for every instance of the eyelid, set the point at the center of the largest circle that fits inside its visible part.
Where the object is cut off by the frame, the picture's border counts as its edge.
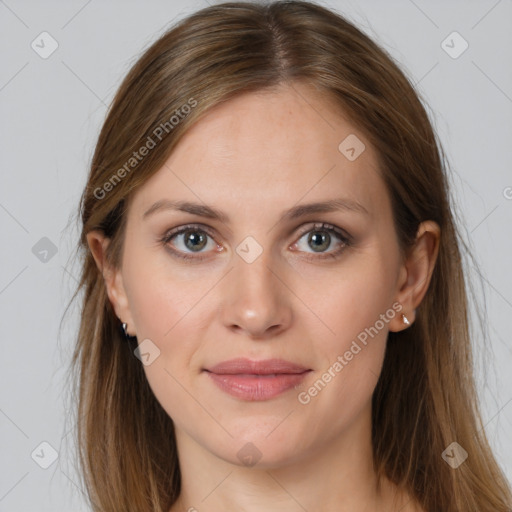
(327, 226)
(186, 227)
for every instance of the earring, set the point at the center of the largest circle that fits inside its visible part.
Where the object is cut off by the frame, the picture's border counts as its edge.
(125, 332)
(405, 320)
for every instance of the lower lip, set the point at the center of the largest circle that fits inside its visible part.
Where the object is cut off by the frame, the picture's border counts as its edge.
(256, 387)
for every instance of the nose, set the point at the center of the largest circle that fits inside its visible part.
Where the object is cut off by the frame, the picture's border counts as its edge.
(256, 301)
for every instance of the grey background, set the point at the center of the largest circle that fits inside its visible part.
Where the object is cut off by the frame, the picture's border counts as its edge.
(51, 111)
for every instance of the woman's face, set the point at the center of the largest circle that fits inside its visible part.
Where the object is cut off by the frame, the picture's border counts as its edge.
(265, 281)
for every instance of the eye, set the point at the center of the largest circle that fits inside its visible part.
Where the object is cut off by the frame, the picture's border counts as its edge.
(321, 237)
(190, 239)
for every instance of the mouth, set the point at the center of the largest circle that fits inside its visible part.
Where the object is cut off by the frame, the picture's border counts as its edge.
(256, 380)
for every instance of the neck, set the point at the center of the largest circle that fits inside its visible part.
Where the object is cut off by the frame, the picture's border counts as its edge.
(336, 476)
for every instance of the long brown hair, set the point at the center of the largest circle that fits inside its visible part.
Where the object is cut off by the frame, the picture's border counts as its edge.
(425, 398)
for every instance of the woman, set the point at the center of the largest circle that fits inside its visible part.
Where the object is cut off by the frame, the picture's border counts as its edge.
(274, 311)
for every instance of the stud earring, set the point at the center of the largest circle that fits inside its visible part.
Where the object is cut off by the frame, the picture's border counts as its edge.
(405, 320)
(124, 326)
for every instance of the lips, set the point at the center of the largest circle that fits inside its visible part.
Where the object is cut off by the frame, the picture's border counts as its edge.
(256, 380)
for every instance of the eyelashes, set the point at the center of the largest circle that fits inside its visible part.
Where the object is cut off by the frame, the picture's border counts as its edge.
(191, 228)
(327, 232)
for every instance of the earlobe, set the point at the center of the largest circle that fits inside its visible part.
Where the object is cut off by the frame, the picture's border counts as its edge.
(403, 320)
(416, 273)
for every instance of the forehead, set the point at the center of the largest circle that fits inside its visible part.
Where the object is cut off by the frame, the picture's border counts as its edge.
(274, 147)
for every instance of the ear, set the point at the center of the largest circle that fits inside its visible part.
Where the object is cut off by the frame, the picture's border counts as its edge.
(416, 272)
(112, 277)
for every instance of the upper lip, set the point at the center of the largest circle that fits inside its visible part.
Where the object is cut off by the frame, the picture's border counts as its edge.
(262, 367)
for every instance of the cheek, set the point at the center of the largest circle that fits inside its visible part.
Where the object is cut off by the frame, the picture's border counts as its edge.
(342, 387)
(357, 308)
(354, 300)
(165, 312)
(160, 298)
(168, 318)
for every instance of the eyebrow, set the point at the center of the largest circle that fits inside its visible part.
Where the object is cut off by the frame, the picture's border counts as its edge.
(301, 210)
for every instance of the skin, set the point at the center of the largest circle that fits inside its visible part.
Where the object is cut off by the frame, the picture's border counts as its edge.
(253, 158)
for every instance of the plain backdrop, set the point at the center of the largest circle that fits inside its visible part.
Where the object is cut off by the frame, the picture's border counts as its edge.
(51, 111)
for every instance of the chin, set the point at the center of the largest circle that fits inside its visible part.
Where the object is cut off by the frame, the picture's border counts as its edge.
(255, 448)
